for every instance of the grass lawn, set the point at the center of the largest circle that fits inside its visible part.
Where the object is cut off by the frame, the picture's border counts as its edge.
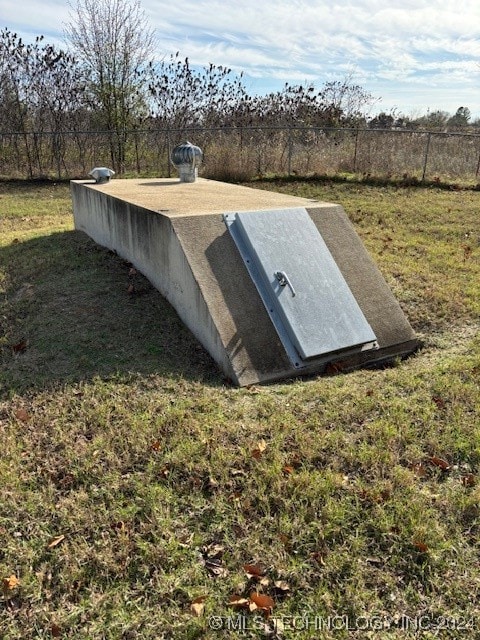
(141, 497)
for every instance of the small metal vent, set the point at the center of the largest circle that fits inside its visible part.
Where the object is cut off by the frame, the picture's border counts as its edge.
(101, 174)
(309, 302)
(187, 158)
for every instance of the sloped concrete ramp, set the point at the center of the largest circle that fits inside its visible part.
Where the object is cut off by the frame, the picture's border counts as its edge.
(175, 234)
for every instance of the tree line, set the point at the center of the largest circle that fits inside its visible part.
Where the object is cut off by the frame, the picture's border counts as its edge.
(106, 80)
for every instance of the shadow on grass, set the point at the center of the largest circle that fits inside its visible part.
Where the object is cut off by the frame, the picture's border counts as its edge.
(405, 181)
(73, 311)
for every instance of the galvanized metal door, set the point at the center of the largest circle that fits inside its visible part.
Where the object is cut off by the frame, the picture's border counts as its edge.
(303, 290)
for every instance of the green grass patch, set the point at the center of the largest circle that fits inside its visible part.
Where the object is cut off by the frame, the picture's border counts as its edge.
(134, 480)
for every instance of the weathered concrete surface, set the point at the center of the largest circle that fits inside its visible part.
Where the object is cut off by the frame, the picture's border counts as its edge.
(174, 234)
(204, 197)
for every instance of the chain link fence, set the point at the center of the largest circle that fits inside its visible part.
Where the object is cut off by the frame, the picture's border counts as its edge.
(241, 153)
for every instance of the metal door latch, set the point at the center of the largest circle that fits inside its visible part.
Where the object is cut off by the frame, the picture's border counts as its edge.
(283, 280)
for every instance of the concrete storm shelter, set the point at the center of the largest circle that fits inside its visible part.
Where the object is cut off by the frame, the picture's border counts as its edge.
(272, 285)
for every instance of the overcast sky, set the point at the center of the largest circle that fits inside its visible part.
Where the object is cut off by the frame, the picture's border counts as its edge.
(414, 55)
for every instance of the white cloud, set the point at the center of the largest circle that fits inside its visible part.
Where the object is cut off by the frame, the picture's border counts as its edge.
(34, 18)
(459, 46)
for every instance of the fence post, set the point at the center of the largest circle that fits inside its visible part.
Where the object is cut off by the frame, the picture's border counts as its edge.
(259, 154)
(289, 163)
(355, 152)
(37, 153)
(56, 146)
(137, 158)
(425, 160)
(169, 171)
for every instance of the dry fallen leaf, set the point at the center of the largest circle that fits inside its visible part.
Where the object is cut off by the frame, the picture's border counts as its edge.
(216, 568)
(238, 601)
(132, 272)
(253, 389)
(285, 540)
(420, 546)
(55, 630)
(259, 449)
(10, 583)
(319, 556)
(469, 480)
(56, 541)
(419, 469)
(213, 550)
(19, 347)
(22, 415)
(212, 559)
(212, 484)
(156, 446)
(282, 585)
(238, 472)
(467, 251)
(262, 601)
(131, 289)
(253, 570)
(198, 605)
(439, 462)
(288, 469)
(440, 402)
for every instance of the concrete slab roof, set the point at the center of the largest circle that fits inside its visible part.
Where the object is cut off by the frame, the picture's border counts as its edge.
(172, 198)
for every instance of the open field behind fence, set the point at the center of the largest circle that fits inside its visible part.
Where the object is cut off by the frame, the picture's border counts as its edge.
(242, 153)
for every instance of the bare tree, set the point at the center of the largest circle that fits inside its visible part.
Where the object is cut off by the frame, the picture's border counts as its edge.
(182, 96)
(15, 107)
(348, 100)
(39, 88)
(113, 42)
(460, 120)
